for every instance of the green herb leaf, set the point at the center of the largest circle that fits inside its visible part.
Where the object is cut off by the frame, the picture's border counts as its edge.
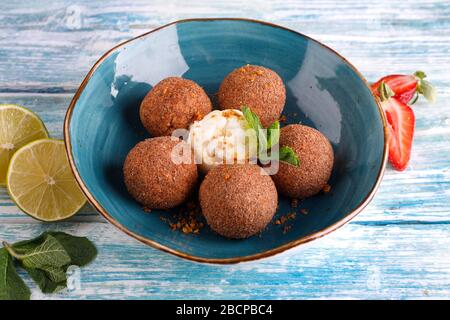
(51, 279)
(273, 134)
(266, 142)
(255, 124)
(49, 253)
(44, 282)
(12, 286)
(288, 155)
(55, 274)
(252, 121)
(251, 118)
(80, 249)
(47, 257)
(27, 245)
(45, 260)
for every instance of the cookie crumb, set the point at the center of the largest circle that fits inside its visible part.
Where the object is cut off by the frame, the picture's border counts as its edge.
(284, 218)
(186, 220)
(326, 188)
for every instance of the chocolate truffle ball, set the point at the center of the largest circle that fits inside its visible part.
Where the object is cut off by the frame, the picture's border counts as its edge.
(237, 200)
(256, 87)
(173, 103)
(316, 162)
(154, 179)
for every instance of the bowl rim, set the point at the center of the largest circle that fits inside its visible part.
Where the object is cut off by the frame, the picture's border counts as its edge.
(302, 240)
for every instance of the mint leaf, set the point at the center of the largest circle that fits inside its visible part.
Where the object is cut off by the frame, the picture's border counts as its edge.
(273, 134)
(47, 257)
(45, 260)
(12, 286)
(80, 249)
(255, 124)
(24, 246)
(51, 279)
(49, 253)
(288, 155)
(44, 282)
(266, 142)
(251, 118)
(55, 274)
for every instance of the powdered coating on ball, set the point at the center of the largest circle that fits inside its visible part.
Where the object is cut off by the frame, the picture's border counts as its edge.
(316, 162)
(173, 103)
(237, 201)
(259, 88)
(153, 179)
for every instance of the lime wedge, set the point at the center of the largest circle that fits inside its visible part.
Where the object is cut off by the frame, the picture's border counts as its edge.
(18, 126)
(41, 183)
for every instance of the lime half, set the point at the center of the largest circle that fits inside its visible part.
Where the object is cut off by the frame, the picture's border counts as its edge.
(41, 183)
(18, 126)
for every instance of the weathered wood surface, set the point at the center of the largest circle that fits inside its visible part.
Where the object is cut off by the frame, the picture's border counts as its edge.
(398, 247)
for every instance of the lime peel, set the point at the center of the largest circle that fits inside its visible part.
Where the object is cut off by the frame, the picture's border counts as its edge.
(41, 183)
(18, 126)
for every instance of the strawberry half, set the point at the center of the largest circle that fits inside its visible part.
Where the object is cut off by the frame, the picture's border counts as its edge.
(401, 121)
(403, 86)
(407, 87)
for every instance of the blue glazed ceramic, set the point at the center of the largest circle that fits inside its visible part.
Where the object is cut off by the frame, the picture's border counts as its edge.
(323, 91)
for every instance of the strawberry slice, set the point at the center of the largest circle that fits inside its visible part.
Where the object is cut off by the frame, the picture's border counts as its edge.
(407, 87)
(404, 86)
(401, 121)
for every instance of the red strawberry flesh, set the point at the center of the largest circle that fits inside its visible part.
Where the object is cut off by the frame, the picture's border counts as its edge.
(401, 121)
(404, 86)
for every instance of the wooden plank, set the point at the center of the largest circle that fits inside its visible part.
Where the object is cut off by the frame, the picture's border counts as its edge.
(51, 45)
(421, 193)
(396, 248)
(357, 261)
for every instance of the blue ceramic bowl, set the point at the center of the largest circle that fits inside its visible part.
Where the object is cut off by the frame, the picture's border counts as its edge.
(323, 91)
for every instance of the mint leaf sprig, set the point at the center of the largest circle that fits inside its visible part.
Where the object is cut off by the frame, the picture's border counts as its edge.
(288, 155)
(266, 139)
(46, 259)
(12, 286)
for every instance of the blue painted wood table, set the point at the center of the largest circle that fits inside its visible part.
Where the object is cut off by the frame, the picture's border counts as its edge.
(398, 247)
